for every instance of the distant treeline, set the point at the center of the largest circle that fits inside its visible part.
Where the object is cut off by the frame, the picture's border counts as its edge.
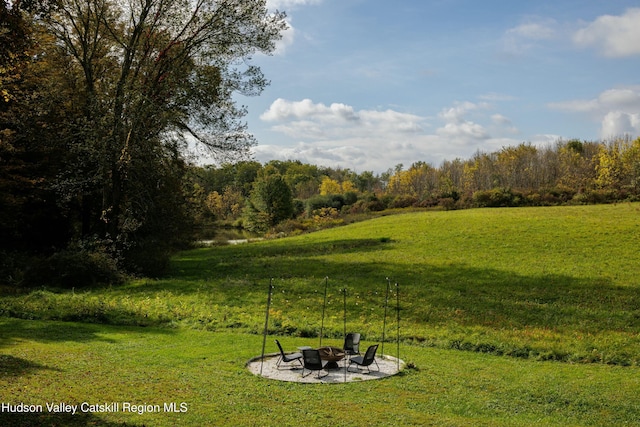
(291, 195)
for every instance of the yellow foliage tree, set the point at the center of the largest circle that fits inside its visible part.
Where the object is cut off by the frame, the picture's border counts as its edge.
(608, 169)
(347, 187)
(330, 186)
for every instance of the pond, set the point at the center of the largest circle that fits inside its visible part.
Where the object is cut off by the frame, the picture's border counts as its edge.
(230, 236)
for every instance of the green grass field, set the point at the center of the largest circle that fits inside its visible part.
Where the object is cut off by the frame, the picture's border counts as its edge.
(508, 317)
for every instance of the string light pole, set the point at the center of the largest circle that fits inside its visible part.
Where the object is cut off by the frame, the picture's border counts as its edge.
(398, 320)
(384, 321)
(344, 322)
(324, 304)
(266, 325)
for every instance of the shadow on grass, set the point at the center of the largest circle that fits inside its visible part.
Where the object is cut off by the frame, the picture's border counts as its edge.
(437, 294)
(486, 297)
(49, 419)
(11, 366)
(201, 263)
(12, 330)
(450, 297)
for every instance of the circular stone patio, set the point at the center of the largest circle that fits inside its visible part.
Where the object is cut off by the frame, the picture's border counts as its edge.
(292, 372)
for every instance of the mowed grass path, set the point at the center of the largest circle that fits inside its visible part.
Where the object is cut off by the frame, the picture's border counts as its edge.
(539, 284)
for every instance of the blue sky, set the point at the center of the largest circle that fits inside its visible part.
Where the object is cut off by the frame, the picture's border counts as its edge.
(369, 84)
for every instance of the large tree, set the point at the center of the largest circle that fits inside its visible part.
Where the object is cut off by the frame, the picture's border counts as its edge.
(149, 77)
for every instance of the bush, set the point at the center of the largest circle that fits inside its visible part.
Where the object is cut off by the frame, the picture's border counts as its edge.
(350, 197)
(298, 207)
(600, 196)
(315, 203)
(73, 269)
(403, 201)
(496, 198)
(12, 266)
(447, 203)
(290, 227)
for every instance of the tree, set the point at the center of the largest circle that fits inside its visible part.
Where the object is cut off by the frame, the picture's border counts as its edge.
(147, 76)
(609, 166)
(418, 181)
(329, 186)
(270, 202)
(576, 163)
(519, 167)
(631, 166)
(33, 112)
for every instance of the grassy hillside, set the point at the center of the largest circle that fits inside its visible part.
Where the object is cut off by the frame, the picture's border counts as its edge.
(538, 285)
(555, 283)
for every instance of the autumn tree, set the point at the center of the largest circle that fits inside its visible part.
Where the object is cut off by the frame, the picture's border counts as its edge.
(329, 186)
(270, 201)
(577, 164)
(34, 108)
(148, 76)
(631, 166)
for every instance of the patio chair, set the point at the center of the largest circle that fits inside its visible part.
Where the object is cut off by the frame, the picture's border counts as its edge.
(352, 344)
(366, 360)
(313, 362)
(287, 358)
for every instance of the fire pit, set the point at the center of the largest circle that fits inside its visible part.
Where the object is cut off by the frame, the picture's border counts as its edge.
(332, 355)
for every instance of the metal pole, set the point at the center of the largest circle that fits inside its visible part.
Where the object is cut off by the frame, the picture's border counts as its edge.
(398, 333)
(344, 315)
(266, 325)
(384, 322)
(324, 304)
(344, 311)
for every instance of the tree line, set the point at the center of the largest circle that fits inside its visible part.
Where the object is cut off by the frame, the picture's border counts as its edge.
(291, 196)
(100, 100)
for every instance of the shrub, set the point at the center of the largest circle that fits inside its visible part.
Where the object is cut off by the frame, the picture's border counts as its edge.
(403, 201)
(12, 267)
(447, 203)
(598, 197)
(315, 203)
(298, 207)
(290, 227)
(350, 197)
(496, 198)
(374, 206)
(73, 269)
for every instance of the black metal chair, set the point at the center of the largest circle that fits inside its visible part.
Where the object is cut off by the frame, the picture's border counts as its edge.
(352, 344)
(365, 361)
(287, 358)
(313, 362)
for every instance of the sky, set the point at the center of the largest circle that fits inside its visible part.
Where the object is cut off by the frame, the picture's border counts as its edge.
(370, 84)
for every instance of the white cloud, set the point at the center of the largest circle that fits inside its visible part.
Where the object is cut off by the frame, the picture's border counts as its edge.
(496, 97)
(618, 110)
(526, 36)
(617, 123)
(289, 35)
(458, 128)
(624, 98)
(499, 119)
(287, 4)
(458, 112)
(306, 119)
(534, 31)
(613, 36)
(288, 38)
(340, 135)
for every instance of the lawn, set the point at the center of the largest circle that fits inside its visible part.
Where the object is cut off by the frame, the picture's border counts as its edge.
(507, 317)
